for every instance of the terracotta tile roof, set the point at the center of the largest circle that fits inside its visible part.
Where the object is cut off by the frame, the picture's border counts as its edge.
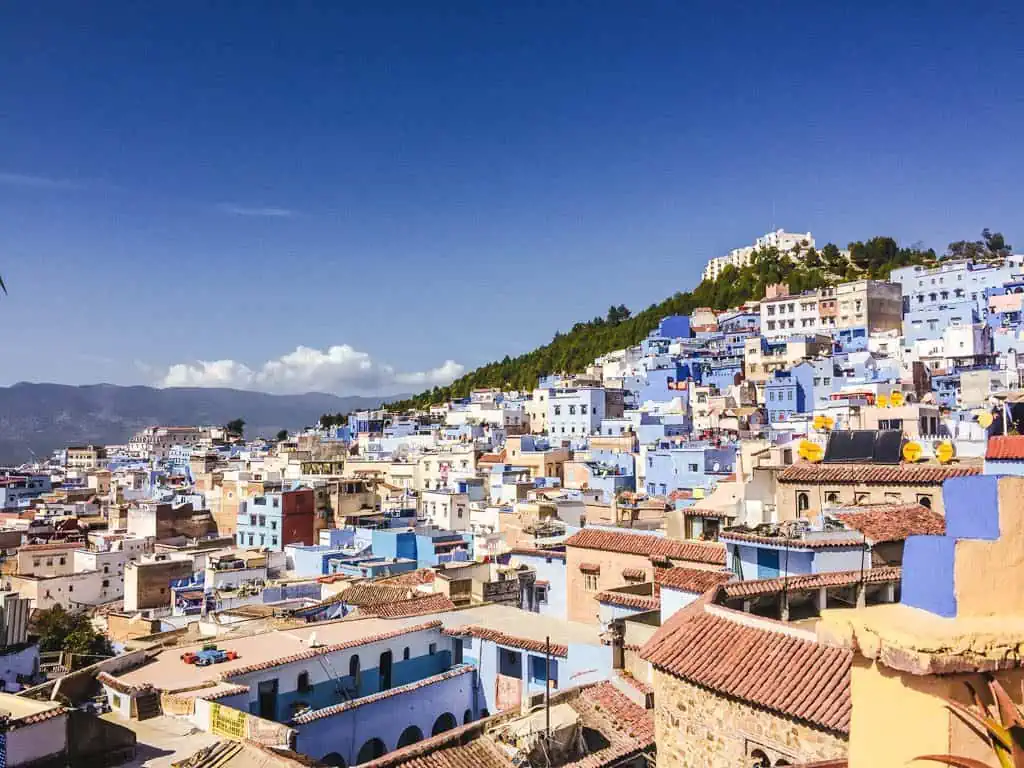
(628, 727)
(346, 706)
(222, 693)
(512, 641)
(324, 649)
(887, 474)
(1005, 448)
(792, 542)
(626, 600)
(637, 683)
(719, 514)
(765, 664)
(634, 574)
(555, 554)
(892, 522)
(103, 678)
(641, 544)
(691, 579)
(417, 607)
(410, 578)
(590, 567)
(447, 750)
(367, 594)
(759, 587)
(36, 717)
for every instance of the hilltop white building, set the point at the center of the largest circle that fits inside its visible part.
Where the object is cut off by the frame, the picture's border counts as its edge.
(784, 241)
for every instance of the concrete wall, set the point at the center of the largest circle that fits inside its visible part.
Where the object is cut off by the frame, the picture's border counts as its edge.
(673, 600)
(38, 741)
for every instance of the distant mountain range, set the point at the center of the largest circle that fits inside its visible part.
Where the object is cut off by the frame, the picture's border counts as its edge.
(36, 419)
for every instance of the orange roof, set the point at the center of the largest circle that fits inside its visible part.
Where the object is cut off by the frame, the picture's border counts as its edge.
(1005, 448)
(766, 664)
(888, 474)
(691, 579)
(892, 522)
(642, 544)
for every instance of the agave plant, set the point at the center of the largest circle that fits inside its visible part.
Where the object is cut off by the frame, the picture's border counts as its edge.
(1002, 726)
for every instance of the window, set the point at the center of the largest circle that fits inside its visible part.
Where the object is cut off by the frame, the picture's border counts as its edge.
(432, 649)
(925, 500)
(590, 582)
(832, 497)
(862, 498)
(273, 540)
(572, 410)
(693, 467)
(558, 410)
(71, 588)
(106, 582)
(406, 653)
(302, 685)
(273, 525)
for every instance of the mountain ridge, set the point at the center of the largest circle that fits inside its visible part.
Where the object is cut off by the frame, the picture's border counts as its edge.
(37, 418)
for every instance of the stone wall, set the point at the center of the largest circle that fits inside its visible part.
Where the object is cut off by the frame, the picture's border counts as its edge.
(696, 728)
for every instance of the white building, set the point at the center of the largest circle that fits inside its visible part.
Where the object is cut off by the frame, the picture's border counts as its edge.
(785, 316)
(446, 510)
(784, 241)
(157, 442)
(575, 412)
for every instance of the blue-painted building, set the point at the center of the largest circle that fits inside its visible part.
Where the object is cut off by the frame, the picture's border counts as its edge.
(17, 490)
(674, 327)
(752, 556)
(674, 466)
(782, 398)
(927, 322)
(549, 597)
(369, 567)
(962, 279)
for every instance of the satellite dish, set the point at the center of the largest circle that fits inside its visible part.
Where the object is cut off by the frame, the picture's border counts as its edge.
(911, 452)
(896, 399)
(945, 451)
(882, 401)
(985, 419)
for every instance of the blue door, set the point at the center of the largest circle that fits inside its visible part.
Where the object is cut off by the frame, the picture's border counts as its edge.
(767, 563)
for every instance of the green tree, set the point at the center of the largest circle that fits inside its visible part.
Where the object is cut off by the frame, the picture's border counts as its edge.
(282, 434)
(73, 633)
(992, 245)
(235, 427)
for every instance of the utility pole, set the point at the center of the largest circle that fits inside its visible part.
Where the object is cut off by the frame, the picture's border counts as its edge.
(547, 689)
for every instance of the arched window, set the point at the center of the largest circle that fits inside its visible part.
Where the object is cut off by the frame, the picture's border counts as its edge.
(484, 713)
(410, 735)
(371, 750)
(405, 653)
(803, 502)
(333, 759)
(467, 717)
(758, 759)
(832, 497)
(354, 673)
(443, 723)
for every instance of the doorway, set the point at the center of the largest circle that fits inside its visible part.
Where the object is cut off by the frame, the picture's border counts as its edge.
(385, 671)
(267, 692)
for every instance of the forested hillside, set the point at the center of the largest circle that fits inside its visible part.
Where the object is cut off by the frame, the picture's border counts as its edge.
(573, 351)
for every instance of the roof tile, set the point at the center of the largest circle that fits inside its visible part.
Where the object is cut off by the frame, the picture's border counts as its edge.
(512, 641)
(759, 587)
(642, 544)
(765, 666)
(892, 522)
(1005, 448)
(691, 579)
(627, 600)
(889, 474)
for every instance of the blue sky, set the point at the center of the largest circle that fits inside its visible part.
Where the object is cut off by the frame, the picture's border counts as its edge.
(367, 197)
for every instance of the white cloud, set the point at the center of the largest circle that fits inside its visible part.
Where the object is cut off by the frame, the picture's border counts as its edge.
(339, 369)
(37, 182)
(266, 212)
